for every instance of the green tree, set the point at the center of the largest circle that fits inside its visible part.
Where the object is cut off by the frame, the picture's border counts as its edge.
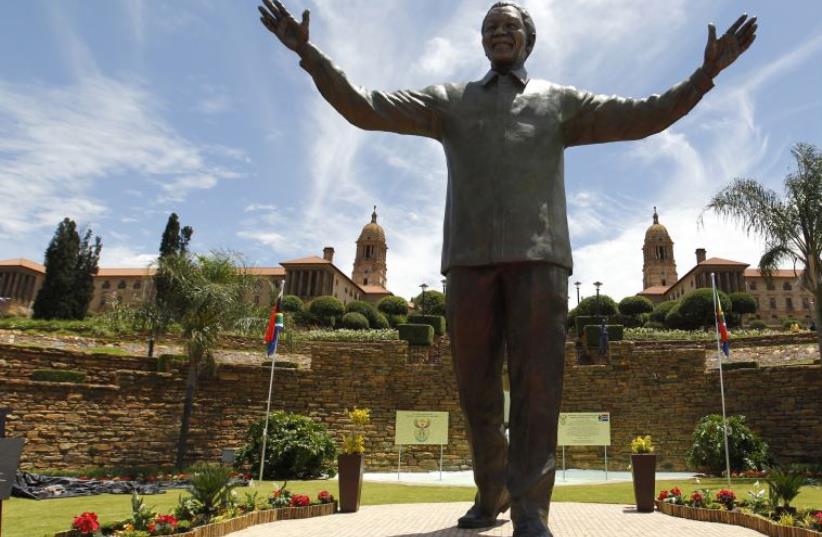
(393, 305)
(742, 304)
(206, 296)
(661, 310)
(791, 226)
(292, 304)
(71, 264)
(593, 305)
(327, 309)
(434, 303)
(696, 309)
(634, 305)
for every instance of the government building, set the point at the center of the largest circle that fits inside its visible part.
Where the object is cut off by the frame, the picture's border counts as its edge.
(778, 299)
(306, 277)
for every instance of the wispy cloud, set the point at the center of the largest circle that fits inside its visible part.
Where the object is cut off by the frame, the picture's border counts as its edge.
(119, 256)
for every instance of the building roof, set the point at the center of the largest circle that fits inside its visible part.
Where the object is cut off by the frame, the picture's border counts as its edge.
(778, 273)
(125, 272)
(655, 290)
(266, 271)
(374, 289)
(720, 261)
(372, 230)
(24, 263)
(656, 230)
(310, 260)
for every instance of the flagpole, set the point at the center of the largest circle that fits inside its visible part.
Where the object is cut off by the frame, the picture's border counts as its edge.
(721, 380)
(278, 328)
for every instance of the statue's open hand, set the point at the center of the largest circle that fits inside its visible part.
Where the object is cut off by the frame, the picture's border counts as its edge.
(722, 52)
(279, 22)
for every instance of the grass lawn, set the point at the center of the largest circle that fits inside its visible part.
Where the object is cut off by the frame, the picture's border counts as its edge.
(29, 518)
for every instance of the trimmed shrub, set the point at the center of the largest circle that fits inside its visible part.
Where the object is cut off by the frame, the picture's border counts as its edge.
(417, 334)
(380, 322)
(395, 320)
(757, 325)
(436, 321)
(634, 305)
(673, 319)
(746, 450)
(631, 321)
(365, 309)
(297, 448)
(59, 375)
(584, 320)
(743, 302)
(591, 306)
(292, 304)
(393, 305)
(328, 310)
(616, 332)
(697, 308)
(434, 303)
(661, 310)
(355, 321)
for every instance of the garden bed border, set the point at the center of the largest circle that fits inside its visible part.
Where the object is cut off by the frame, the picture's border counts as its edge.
(265, 516)
(736, 518)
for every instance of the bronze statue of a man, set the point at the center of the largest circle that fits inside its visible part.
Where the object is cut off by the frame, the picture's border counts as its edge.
(506, 251)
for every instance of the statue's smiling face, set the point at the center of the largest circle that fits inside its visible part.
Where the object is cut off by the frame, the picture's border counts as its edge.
(504, 37)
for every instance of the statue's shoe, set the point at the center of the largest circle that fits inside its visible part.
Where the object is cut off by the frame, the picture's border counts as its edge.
(475, 518)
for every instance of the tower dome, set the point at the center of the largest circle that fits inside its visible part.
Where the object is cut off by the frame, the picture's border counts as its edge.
(370, 267)
(659, 267)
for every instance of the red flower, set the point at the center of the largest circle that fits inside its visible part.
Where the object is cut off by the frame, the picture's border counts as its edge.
(727, 498)
(300, 500)
(662, 495)
(325, 497)
(697, 499)
(676, 492)
(86, 523)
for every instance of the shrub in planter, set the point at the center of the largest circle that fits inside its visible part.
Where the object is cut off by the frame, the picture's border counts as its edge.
(393, 305)
(592, 334)
(783, 487)
(585, 320)
(211, 489)
(58, 375)
(436, 321)
(746, 450)
(354, 321)
(417, 334)
(297, 448)
(365, 309)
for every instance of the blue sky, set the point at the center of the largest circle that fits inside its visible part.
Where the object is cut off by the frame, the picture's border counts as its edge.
(116, 113)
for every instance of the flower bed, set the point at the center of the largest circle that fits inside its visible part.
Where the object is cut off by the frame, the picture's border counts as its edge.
(737, 518)
(219, 529)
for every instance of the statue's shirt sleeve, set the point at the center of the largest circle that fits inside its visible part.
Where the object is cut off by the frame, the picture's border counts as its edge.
(588, 118)
(403, 112)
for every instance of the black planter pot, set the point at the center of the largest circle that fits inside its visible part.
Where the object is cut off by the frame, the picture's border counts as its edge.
(643, 469)
(351, 468)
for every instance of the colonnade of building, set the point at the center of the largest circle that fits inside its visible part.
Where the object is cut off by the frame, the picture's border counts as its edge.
(17, 286)
(309, 282)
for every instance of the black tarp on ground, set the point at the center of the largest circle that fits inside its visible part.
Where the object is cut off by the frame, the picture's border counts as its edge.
(41, 487)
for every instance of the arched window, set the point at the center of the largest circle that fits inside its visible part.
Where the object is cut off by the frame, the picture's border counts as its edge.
(365, 281)
(786, 286)
(121, 285)
(106, 285)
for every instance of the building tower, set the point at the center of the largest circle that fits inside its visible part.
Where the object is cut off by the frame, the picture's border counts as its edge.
(658, 267)
(369, 264)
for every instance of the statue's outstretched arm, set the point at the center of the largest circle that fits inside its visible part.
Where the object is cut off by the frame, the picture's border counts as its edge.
(589, 118)
(403, 112)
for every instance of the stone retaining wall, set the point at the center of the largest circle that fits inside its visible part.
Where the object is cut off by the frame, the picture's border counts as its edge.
(128, 412)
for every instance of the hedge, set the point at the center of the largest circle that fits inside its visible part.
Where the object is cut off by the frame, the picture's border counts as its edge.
(59, 375)
(355, 321)
(584, 320)
(417, 334)
(616, 332)
(436, 321)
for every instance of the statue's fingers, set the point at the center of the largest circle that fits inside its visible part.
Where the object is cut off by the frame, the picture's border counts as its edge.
(735, 26)
(266, 15)
(743, 45)
(751, 23)
(281, 8)
(711, 32)
(306, 18)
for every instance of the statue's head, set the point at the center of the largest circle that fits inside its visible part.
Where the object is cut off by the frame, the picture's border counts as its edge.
(508, 35)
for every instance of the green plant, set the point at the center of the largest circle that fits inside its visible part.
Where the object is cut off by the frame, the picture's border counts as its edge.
(745, 449)
(249, 502)
(661, 310)
(354, 321)
(365, 309)
(642, 445)
(696, 309)
(292, 304)
(653, 325)
(436, 321)
(788, 323)
(187, 508)
(211, 488)
(784, 487)
(393, 305)
(59, 375)
(297, 447)
(380, 322)
(593, 334)
(581, 321)
(280, 497)
(757, 325)
(786, 519)
(593, 305)
(327, 309)
(417, 334)
(354, 442)
(757, 499)
(349, 335)
(634, 305)
(141, 514)
(394, 320)
(434, 303)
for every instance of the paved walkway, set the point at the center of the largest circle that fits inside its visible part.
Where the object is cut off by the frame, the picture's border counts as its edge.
(439, 519)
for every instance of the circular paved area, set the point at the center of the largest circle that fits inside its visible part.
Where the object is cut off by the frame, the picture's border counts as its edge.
(439, 519)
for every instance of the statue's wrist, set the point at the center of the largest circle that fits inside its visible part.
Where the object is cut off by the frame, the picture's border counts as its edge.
(302, 48)
(710, 69)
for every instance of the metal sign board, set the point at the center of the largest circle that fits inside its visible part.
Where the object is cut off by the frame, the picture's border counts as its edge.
(584, 429)
(10, 450)
(418, 427)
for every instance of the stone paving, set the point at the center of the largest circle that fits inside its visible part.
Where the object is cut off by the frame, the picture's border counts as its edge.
(439, 519)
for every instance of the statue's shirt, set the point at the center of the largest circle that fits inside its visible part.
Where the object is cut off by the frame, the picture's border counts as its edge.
(504, 138)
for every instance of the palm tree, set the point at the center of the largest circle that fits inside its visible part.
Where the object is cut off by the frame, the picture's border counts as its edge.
(791, 227)
(208, 293)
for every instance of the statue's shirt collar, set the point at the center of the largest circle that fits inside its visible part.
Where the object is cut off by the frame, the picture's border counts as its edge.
(520, 75)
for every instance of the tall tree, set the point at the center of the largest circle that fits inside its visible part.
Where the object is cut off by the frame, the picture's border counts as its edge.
(207, 296)
(791, 226)
(70, 268)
